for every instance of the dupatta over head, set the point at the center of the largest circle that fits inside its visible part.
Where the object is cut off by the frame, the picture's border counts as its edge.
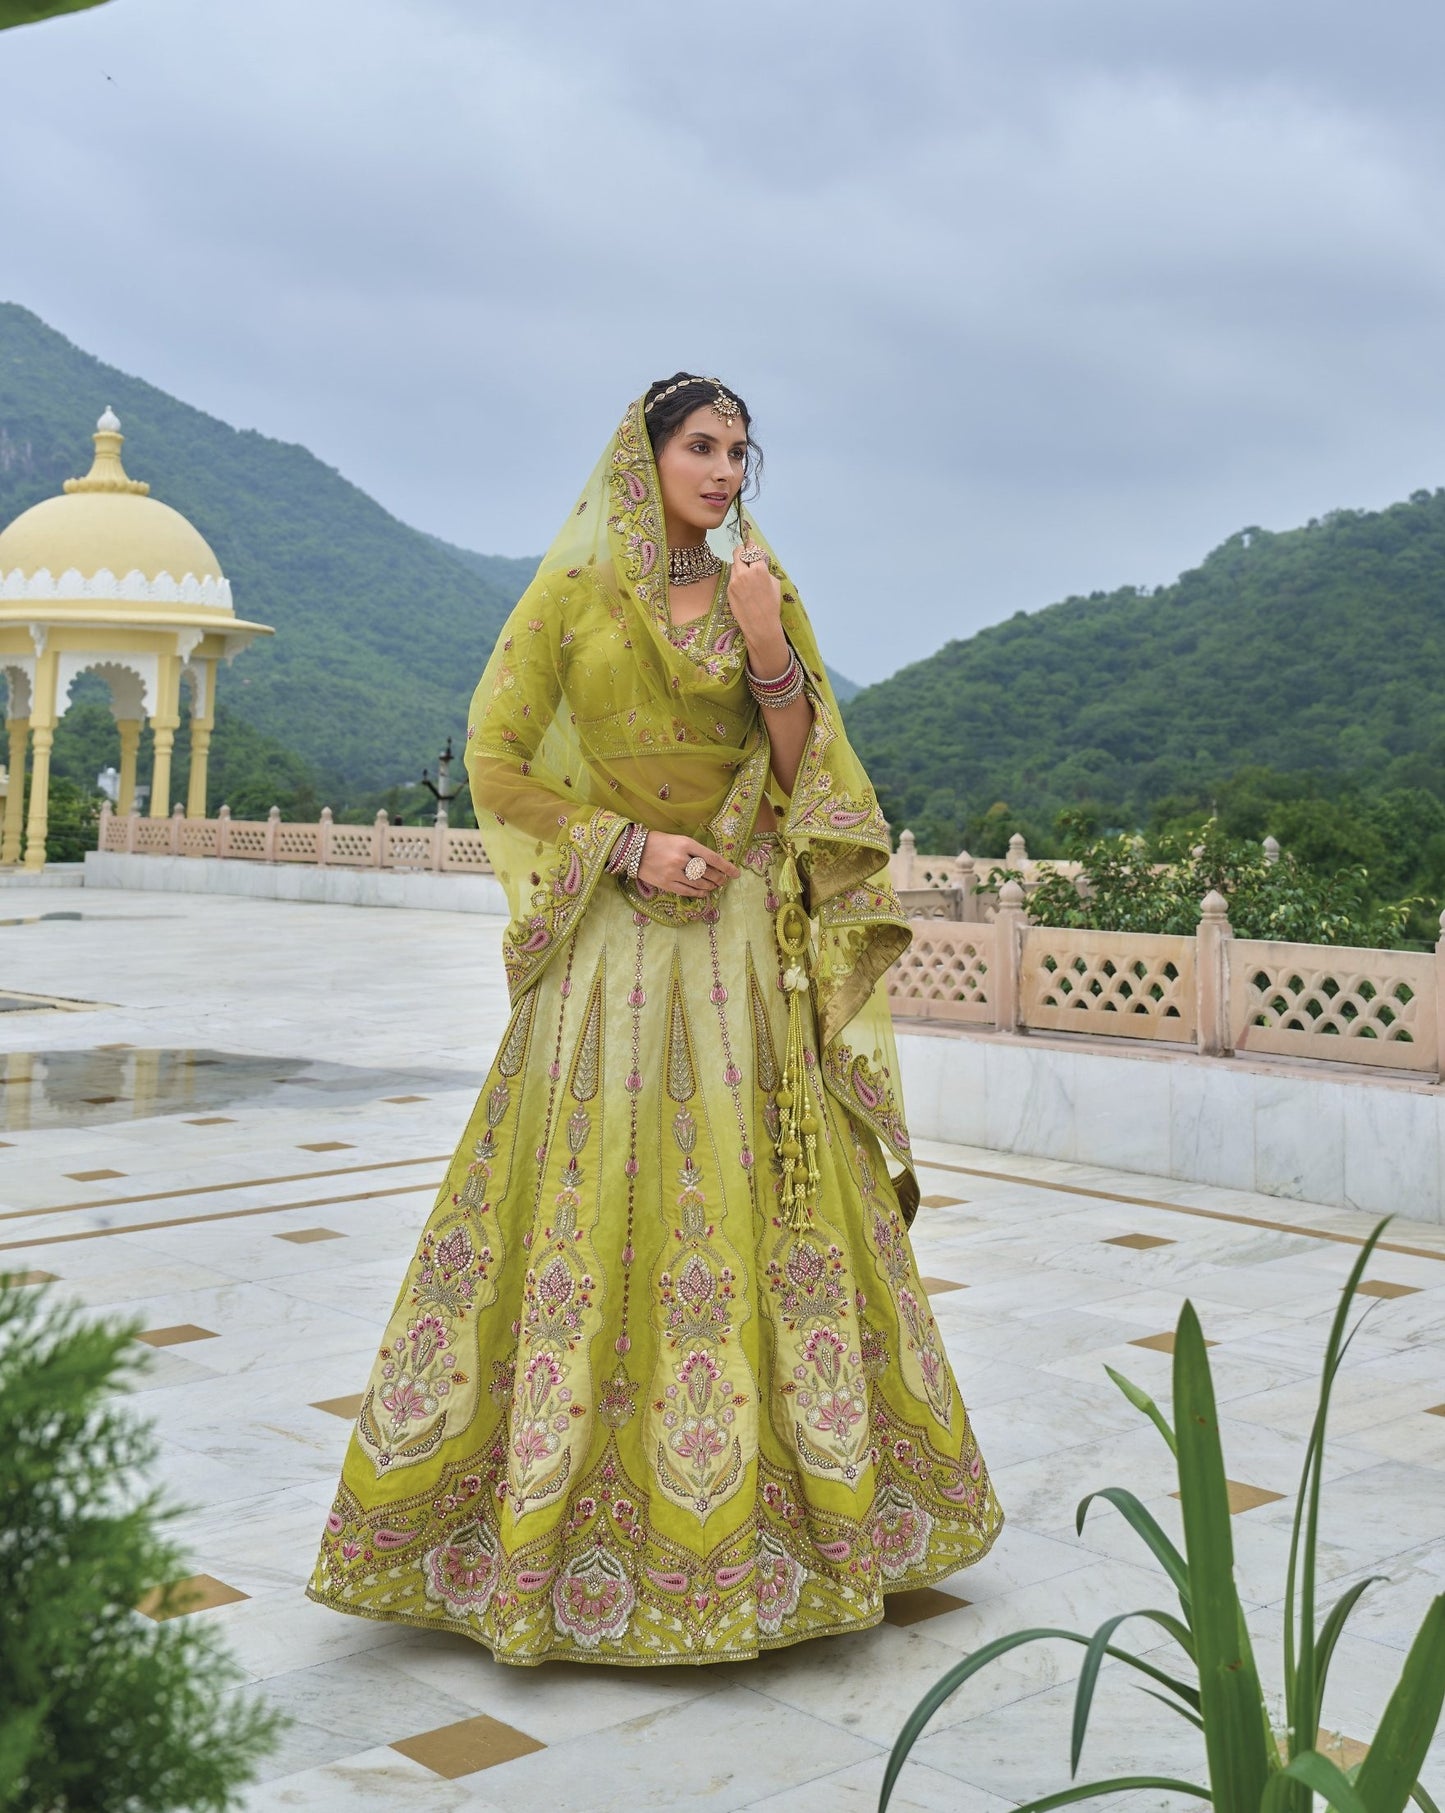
(588, 717)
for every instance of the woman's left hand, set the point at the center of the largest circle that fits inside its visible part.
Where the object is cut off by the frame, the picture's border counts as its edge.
(756, 601)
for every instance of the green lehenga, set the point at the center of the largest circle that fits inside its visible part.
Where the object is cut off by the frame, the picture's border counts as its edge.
(625, 1411)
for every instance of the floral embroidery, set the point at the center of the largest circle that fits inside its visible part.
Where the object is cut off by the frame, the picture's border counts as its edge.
(461, 1575)
(900, 1530)
(780, 1584)
(593, 1599)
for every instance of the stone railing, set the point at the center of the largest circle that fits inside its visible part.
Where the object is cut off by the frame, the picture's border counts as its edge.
(379, 845)
(1213, 992)
(956, 887)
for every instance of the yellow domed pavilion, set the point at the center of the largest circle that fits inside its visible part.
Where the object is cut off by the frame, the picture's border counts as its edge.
(109, 580)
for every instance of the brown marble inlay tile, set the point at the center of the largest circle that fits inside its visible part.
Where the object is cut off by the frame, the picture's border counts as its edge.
(197, 1594)
(213, 1120)
(409, 1098)
(467, 1746)
(1162, 1343)
(1138, 1242)
(327, 1145)
(348, 1408)
(1245, 1498)
(173, 1337)
(922, 1602)
(937, 1286)
(1436, 1410)
(93, 1176)
(121, 1047)
(304, 1236)
(1381, 1287)
(35, 1277)
(942, 1202)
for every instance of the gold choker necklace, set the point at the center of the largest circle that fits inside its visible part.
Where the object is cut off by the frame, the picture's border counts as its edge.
(685, 566)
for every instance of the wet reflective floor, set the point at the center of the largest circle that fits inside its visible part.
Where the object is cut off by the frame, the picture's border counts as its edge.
(92, 1088)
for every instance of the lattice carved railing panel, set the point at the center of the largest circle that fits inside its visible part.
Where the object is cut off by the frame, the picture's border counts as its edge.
(1131, 985)
(464, 851)
(353, 846)
(199, 836)
(407, 847)
(1339, 1003)
(246, 839)
(298, 843)
(153, 836)
(115, 834)
(945, 976)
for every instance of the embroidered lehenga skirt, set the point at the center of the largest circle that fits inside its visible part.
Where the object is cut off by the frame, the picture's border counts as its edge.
(623, 1412)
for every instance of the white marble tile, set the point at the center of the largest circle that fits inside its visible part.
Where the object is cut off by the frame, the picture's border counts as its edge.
(1299, 1140)
(285, 1631)
(552, 1702)
(1392, 1159)
(722, 1752)
(920, 1059)
(1211, 1124)
(1031, 1101)
(1377, 1512)
(370, 1781)
(962, 1070)
(868, 1682)
(1022, 1749)
(1121, 1111)
(855, 1790)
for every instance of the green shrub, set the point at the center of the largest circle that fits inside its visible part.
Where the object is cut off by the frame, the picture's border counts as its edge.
(103, 1710)
(1217, 1689)
(1156, 884)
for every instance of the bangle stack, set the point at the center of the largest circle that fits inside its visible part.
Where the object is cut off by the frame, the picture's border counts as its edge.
(773, 695)
(626, 857)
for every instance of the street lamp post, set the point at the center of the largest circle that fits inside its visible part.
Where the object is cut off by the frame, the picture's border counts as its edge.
(440, 789)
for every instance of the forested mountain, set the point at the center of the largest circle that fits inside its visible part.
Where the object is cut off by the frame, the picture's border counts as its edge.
(381, 630)
(1316, 651)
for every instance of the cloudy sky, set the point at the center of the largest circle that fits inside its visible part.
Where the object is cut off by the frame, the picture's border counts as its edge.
(1027, 297)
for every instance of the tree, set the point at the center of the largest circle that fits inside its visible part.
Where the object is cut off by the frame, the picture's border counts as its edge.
(104, 1710)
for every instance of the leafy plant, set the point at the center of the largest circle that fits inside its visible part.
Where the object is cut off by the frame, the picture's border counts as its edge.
(102, 1709)
(1155, 884)
(1221, 1696)
(28, 12)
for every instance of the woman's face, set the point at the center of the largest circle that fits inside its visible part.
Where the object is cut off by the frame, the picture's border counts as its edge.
(701, 471)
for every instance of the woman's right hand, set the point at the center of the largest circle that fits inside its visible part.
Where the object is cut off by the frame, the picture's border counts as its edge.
(664, 856)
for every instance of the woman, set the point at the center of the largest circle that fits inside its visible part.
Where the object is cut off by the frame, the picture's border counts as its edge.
(662, 1384)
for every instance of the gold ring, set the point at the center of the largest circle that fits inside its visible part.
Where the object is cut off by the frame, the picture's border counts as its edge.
(752, 554)
(694, 868)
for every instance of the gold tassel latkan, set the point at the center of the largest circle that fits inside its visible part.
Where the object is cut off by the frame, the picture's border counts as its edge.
(797, 1142)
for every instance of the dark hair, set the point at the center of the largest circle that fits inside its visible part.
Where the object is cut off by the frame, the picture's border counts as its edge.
(668, 413)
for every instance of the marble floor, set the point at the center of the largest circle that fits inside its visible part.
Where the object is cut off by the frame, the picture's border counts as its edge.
(226, 1119)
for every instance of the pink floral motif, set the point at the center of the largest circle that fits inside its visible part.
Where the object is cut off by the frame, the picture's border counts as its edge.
(780, 1584)
(900, 1530)
(462, 1574)
(593, 1598)
(700, 1440)
(837, 1413)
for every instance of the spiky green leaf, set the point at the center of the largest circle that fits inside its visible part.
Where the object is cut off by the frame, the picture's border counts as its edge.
(1388, 1773)
(1229, 1691)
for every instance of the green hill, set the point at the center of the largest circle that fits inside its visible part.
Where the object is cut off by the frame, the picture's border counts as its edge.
(381, 630)
(1319, 650)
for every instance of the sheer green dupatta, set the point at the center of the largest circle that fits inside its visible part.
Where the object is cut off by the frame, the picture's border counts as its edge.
(588, 716)
(840, 838)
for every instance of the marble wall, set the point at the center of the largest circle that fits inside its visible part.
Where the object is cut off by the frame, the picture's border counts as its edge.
(296, 881)
(1370, 1143)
